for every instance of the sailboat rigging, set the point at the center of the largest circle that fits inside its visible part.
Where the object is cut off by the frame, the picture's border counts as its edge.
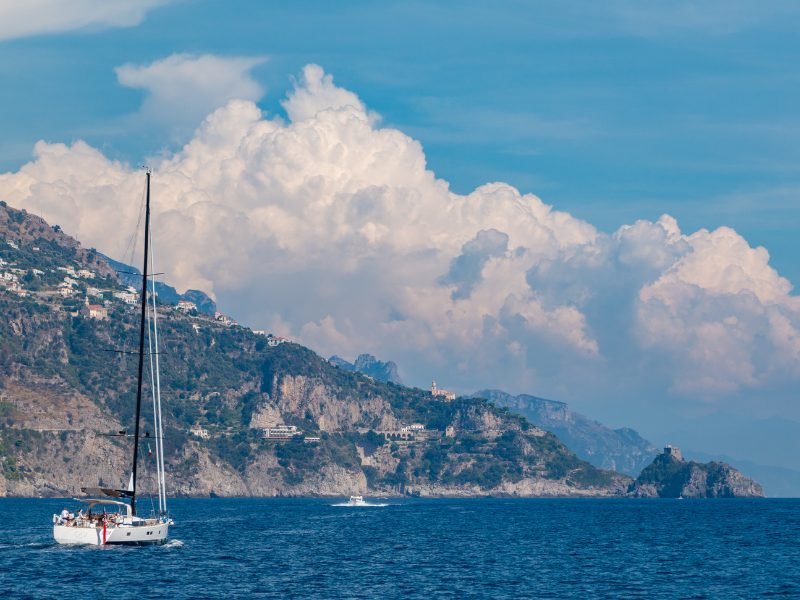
(119, 522)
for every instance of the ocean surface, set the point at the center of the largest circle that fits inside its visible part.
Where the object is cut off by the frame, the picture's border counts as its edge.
(416, 548)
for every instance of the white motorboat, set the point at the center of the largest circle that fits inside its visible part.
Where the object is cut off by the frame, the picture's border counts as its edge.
(110, 519)
(356, 501)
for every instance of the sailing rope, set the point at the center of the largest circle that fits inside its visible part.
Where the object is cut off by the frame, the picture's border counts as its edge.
(133, 240)
(146, 472)
(155, 419)
(155, 379)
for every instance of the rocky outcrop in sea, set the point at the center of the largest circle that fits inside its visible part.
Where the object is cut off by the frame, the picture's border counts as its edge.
(670, 476)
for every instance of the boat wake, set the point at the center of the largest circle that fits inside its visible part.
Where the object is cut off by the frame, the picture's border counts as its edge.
(362, 504)
(173, 544)
(32, 545)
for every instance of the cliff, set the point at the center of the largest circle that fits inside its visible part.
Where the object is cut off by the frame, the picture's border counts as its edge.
(622, 450)
(67, 379)
(670, 476)
(371, 366)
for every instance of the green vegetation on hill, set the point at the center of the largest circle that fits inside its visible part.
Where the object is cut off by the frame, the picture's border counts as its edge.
(671, 477)
(226, 379)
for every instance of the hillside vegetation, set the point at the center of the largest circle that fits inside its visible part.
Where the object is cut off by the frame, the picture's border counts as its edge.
(622, 450)
(670, 476)
(67, 379)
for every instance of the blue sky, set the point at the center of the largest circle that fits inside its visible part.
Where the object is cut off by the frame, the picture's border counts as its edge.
(606, 116)
(612, 112)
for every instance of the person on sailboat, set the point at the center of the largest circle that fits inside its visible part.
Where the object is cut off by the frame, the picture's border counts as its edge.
(65, 514)
(133, 529)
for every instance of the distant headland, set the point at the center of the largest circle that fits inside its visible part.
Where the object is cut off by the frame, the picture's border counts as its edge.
(252, 414)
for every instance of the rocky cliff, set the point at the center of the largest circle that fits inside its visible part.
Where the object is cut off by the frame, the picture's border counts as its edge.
(670, 476)
(371, 366)
(622, 450)
(243, 416)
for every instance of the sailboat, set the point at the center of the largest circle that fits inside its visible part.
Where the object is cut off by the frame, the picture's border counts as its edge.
(111, 514)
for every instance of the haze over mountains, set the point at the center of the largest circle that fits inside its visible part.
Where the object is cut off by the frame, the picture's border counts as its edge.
(132, 276)
(247, 413)
(622, 449)
(646, 322)
(369, 365)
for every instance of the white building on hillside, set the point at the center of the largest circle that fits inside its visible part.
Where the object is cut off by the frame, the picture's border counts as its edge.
(68, 270)
(126, 297)
(224, 319)
(280, 432)
(186, 306)
(200, 432)
(440, 393)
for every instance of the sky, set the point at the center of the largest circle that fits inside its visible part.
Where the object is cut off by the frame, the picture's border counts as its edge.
(594, 202)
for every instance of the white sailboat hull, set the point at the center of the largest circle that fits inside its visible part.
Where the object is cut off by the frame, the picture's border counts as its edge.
(155, 533)
(123, 526)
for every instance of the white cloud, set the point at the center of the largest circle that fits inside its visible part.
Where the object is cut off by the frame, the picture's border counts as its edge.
(728, 316)
(332, 229)
(315, 92)
(21, 18)
(184, 88)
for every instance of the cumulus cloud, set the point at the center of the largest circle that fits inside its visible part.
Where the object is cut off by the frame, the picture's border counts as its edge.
(728, 316)
(183, 88)
(36, 17)
(330, 228)
(315, 92)
(465, 270)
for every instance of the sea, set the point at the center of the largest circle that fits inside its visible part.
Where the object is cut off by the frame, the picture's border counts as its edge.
(420, 548)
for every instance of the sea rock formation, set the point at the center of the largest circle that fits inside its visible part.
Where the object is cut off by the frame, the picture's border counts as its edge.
(670, 476)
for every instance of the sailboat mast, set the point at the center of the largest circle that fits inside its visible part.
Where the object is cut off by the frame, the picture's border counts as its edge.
(141, 343)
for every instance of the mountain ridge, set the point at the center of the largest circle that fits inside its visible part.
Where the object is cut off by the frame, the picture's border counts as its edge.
(622, 450)
(245, 414)
(132, 276)
(368, 365)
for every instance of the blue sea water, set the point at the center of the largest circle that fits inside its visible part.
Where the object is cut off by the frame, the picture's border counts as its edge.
(416, 548)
